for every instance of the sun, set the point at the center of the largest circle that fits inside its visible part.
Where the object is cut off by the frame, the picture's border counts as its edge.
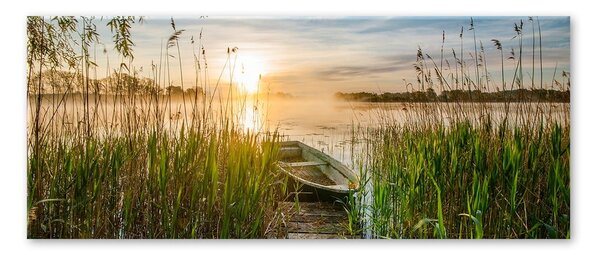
(252, 68)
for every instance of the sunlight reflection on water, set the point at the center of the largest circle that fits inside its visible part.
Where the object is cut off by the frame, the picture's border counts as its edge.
(334, 127)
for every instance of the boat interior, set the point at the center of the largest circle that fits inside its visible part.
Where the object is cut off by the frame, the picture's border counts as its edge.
(312, 165)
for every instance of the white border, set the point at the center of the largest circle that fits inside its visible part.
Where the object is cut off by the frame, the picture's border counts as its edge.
(584, 131)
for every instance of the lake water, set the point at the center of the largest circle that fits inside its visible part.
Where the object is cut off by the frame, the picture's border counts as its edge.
(331, 126)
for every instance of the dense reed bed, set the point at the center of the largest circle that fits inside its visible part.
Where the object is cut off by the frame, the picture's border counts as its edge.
(115, 159)
(462, 170)
(192, 185)
(469, 181)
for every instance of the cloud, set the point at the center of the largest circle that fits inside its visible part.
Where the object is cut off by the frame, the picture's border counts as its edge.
(306, 53)
(372, 70)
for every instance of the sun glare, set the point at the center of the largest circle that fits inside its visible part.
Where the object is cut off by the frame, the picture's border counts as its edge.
(251, 119)
(252, 68)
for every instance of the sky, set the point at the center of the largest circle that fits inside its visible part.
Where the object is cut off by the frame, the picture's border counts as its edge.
(323, 55)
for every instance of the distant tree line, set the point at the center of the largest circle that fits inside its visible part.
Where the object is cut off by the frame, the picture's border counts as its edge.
(59, 82)
(517, 95)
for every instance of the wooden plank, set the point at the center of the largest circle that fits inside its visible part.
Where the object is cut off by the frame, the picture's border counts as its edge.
(290, 152)
(313, 205)
(322, 216)
(315, 227)
(305, 164)
(291, 148)
(321, 213)
(311, 236)
(319, 236)
(317, 218)
(306, 208)
(291, 208)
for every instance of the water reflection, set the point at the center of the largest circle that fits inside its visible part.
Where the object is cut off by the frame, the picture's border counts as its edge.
(331, 126)
(252, 118)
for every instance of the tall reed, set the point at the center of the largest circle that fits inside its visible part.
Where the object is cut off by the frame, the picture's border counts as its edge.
(131, 165)
(474, 171)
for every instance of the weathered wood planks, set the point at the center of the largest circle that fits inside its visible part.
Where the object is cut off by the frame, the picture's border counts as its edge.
(315, 220)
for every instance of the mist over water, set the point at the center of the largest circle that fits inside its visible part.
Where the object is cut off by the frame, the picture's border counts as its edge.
(333, 126)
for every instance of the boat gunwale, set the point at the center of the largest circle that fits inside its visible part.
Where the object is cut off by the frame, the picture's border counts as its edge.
(319, 154)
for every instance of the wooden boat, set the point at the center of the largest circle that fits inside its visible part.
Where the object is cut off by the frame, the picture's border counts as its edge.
(320, 177)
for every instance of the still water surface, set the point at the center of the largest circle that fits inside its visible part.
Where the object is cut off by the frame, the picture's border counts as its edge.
(332, 126)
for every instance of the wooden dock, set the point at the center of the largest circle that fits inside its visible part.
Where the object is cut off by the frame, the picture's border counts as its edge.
(315, 220)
